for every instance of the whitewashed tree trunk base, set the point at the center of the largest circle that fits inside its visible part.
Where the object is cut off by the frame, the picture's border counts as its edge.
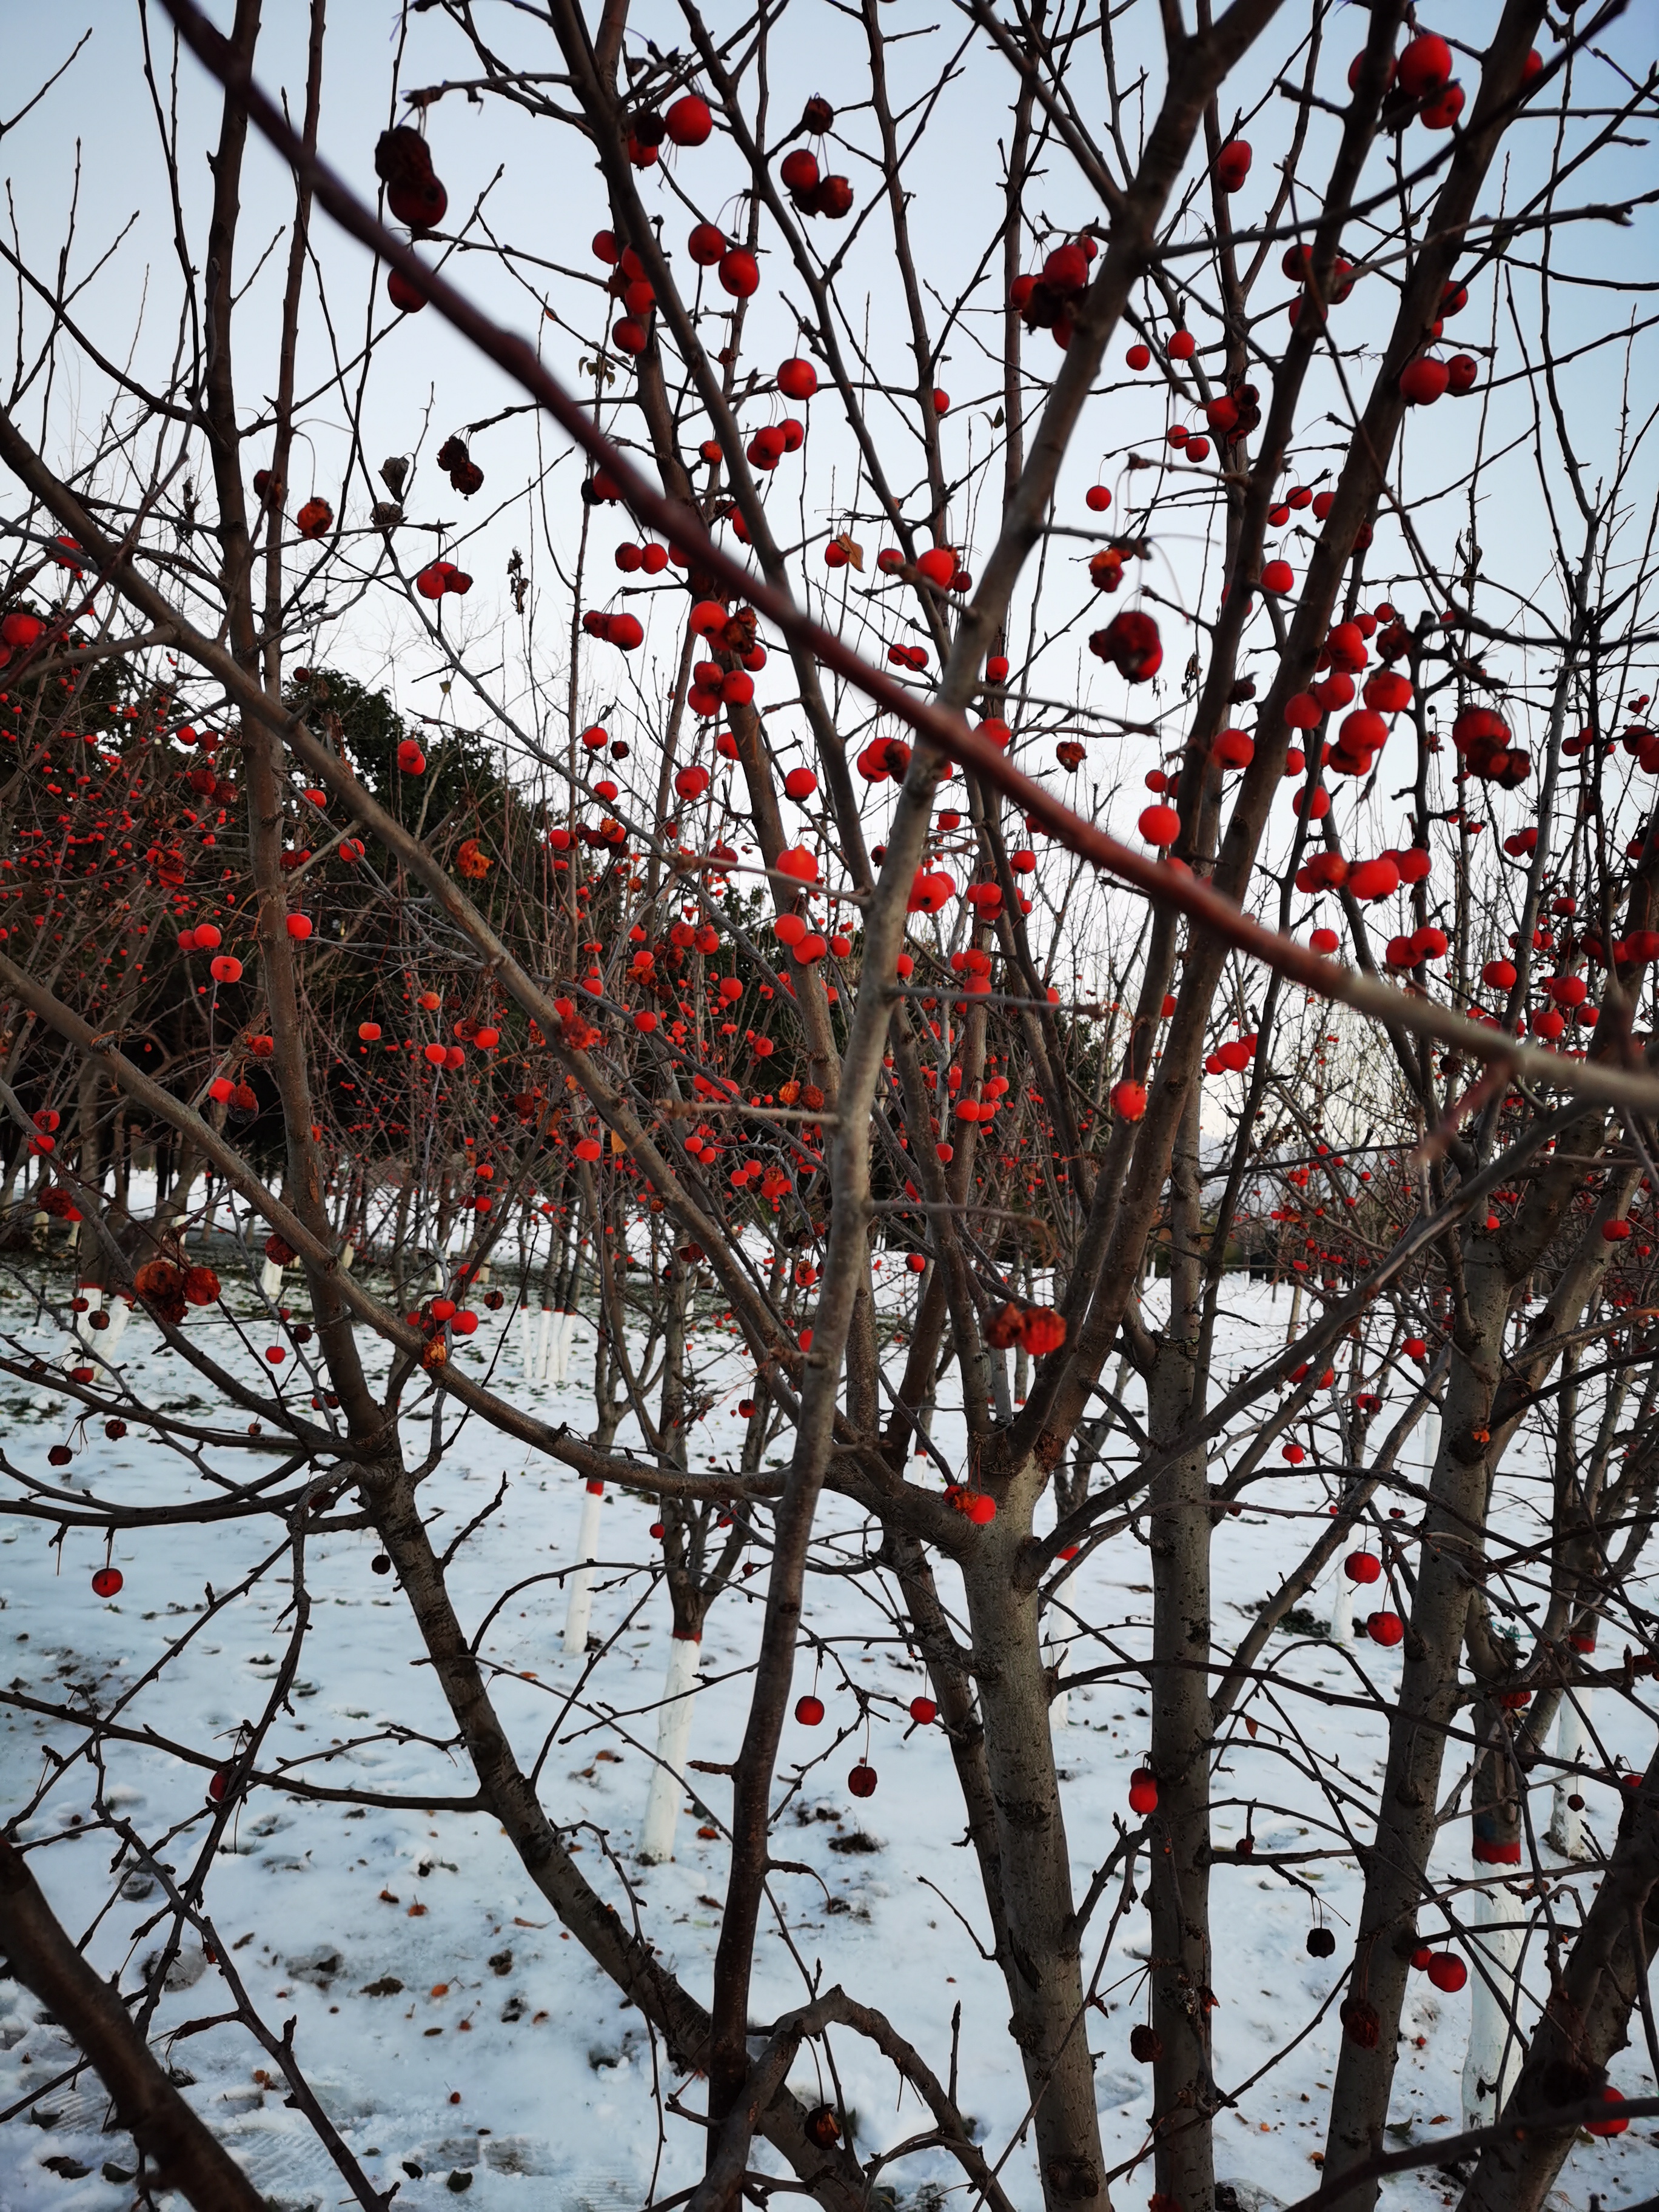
(578, 1610)
(81, 1323)
(1566, 1828)
(662, 1806)
(565, 1327)
(1342, 1610)
(271, 1278)
(104, 1341)
(1496, 2051)
(99, 1343)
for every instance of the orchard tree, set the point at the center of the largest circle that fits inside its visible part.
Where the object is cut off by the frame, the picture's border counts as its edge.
(914, 891)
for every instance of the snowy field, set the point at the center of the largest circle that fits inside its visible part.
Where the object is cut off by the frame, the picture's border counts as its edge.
(460, 2042)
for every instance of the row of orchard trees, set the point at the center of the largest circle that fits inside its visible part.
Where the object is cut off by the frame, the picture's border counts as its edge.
(741, 926)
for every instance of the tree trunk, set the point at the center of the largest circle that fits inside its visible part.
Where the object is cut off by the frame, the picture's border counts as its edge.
(1047, 2023)
(1585, 2021)
(1184, 2090)
(662, 1806)
(1428, 1706)
(578, 1608)
(1566, 1828)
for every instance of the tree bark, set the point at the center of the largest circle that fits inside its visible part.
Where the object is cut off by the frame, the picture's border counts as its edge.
(1184, 2102)
(1585, 2021)
(1047, 1983)
(41, 1954)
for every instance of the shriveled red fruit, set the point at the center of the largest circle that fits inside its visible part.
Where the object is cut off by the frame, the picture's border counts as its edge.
(862, 1780)
(1131, 642)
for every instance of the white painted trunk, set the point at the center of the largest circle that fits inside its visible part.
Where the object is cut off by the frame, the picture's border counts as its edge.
(271, 1278)
(1496, 2050)
(662, 1806)
(564, 1328)
(579, 1607)
(1566, 1828)
(120, 1313)
(1342, 1609)
(544, 1345)
(526, 1321)
(81, 1323)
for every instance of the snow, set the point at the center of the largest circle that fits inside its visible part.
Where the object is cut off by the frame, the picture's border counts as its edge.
(441, 2017)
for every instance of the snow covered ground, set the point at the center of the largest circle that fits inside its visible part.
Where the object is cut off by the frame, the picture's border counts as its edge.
(459, 2041)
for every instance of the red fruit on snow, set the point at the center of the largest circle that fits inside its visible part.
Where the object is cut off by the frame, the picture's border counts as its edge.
(107, 1583)
(1385, 1628)
(862, 1780)
(1447, 1971)
(923, 1711)
(809, 1712)
(1362, 1567)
